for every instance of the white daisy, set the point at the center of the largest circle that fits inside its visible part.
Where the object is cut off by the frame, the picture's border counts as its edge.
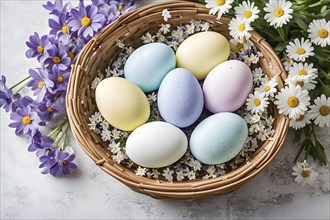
(239, 28)
(190, 28)
(263, 135)
(303, 69)
(119, 157)
(205, 26)
(141, 171)
(155, 173)
(115, 133)
(191, 175)
(304, 82)
(319, 32)
(218, 6)
(247, 10)
(268, 87)
(258, 76)
(254, 58)
(106, 135)
(287, 62)
(243, 44)
(114, 147)
(166, 14)
(278, 12)
(164, 28)
(292, 101)
(168, 174)
(179, 175)
(148, 38)
(195, 164)
(301, 122)
(305, 175)
(257, 102)
(300, 50)
(320, 111)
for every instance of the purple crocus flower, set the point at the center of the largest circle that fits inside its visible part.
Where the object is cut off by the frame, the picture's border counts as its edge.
(40, 83)
(57, 8)
(27, 121)
(47, 147)
(6, 95)
(58, 56)
(37, 46)
(47, 110)
(58, 165)
(60, 79)
(110, 12)
(86, 21)
(21, 102)
(35, 141)
(60, 29)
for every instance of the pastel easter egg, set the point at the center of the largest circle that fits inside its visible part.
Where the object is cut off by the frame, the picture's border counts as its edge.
(218, 138)
(227, 86)
(201, 52)
(122, 103)
(156, 144)
(149, 64)
(180, 98)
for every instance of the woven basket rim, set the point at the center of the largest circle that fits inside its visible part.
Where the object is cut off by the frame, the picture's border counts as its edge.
(79, 105)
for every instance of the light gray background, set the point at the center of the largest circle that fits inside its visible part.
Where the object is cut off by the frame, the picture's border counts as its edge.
(91, 193)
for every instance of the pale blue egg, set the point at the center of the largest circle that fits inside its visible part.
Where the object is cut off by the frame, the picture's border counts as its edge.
(149, 64)
(218, 138)
(180, 98)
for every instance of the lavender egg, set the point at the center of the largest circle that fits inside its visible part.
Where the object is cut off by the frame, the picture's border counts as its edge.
(180, 98)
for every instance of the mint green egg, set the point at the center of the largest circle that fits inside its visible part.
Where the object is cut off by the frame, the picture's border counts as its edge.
(218, 138)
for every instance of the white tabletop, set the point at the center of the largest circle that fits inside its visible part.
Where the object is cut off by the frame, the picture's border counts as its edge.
(91, 193)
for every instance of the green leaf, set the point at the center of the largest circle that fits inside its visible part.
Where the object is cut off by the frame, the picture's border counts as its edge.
(299, 20)
(320, 153)
(297, 135)
(323, 9)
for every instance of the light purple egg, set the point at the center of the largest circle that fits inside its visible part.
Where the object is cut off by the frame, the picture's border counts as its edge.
(227, 86)
(180, 98)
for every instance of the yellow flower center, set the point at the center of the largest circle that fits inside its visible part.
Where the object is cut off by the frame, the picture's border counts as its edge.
(256, 102)
(241, 27)
(41, 84)
(323, 33)
(278, 12)
(300, 83)
(247, 14)
(26, 120)
(71, 55)
(40, 49)
(56, 60)
(324, 110)
(85, 21)
(244, 40)
(221, 2)
(65, 162)
(301, 51)
(300, 118)
(65, 29)
(293, 102)
(121, 7)
(302, 72)
(49, 109)
(60, 79)
(266, 88)
(305, 173)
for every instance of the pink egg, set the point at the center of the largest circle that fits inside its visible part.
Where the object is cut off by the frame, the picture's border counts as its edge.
(227, 86)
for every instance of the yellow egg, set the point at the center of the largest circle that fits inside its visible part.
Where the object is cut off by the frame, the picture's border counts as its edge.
(122, 103)
(201, 52)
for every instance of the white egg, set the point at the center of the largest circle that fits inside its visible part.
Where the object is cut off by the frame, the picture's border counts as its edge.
(156, 144)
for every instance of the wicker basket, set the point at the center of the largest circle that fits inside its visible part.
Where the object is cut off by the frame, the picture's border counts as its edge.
(80, 100)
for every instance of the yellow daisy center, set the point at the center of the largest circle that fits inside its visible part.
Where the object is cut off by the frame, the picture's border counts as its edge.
(60, 79)
(279, 12)
(256, 102)
(302, 72)
(266, 88)
(300, 83)
(85, 21)
(221, 2)
(49, 109)
(301, 51)
(65, 29)
(247, 14)
(41, 84)
(293, 102)
(241, 27)
(71, 55)
(323, 33)
(40, 49)
(56, 60)
(300, 118)
(26, 120)
(305, 173)
(324, 110)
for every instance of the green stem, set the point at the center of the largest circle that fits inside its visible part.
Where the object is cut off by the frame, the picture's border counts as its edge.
(281, 33)
(310, 6)
(20, 89)
(19, 82)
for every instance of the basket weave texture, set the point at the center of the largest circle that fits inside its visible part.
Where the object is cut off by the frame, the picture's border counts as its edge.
(102, 49)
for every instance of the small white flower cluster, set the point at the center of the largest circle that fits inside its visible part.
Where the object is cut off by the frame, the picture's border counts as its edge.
(175, 37)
